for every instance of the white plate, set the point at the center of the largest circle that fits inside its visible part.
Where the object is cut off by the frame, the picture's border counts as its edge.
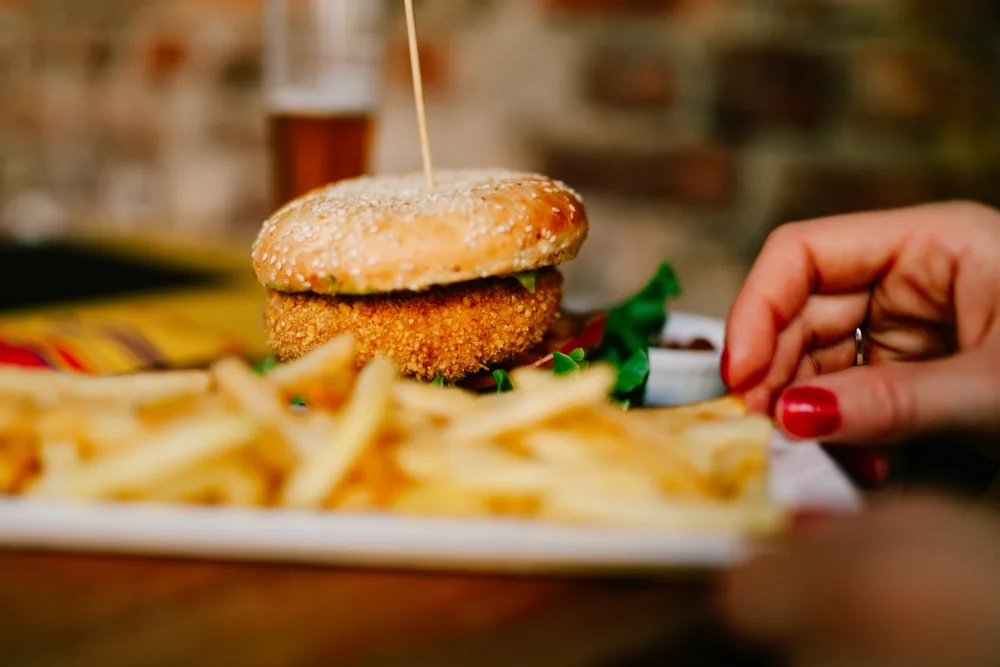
(801, 475)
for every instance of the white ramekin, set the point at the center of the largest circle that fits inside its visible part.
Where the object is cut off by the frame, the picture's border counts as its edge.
(679, 377)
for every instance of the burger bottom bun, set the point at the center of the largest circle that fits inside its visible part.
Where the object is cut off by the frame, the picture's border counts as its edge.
(449, 331)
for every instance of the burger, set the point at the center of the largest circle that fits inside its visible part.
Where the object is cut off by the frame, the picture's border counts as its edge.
(450, 282)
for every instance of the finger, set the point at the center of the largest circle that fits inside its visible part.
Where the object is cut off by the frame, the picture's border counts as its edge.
(792, 366)
(832, 255)
(887, 403)
(761, 393)
(893, 338)
(823, 320)
(826, 360)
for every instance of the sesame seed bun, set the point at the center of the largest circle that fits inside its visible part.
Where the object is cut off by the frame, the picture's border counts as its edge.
(391, 233)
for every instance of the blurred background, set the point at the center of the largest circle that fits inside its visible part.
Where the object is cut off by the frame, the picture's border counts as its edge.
(692, 127)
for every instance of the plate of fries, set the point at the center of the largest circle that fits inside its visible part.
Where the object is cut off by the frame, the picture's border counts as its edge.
(388, 472)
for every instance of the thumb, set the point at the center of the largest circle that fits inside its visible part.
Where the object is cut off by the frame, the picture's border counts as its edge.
(893, 402)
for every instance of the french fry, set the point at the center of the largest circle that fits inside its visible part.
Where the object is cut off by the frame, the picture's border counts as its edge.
(441, 500)
(92, 430)
(732, 453)
(555, 449)
(326, 361)
(324, 469)
(164, 454)
(437, 402)
(514, 411)
(564, 449)
(482, 468)
(18, 462)
(681, 418)
(225, 482)
(59, 455)
(258, 400)
(45, 387)
(673, 471)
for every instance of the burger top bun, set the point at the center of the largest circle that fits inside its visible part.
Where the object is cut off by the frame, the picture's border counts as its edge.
(390, 233)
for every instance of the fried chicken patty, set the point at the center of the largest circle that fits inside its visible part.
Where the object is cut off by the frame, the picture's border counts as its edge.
(449, 331)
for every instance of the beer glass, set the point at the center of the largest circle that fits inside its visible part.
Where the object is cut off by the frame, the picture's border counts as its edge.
(322, 77)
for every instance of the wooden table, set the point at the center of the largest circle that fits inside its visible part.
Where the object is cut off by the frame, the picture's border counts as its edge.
(82, 611)
(87, 611)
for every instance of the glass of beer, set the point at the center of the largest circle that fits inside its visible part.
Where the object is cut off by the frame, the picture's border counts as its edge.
(323, 74)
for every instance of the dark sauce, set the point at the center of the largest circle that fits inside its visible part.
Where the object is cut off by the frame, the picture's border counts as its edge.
(695, 345)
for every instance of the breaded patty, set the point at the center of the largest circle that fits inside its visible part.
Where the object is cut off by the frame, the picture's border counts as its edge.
(450, 331)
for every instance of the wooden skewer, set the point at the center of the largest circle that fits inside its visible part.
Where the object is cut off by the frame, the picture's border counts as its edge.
(418, 93)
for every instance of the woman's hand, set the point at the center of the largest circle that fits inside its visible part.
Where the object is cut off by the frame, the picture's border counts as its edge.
(924, 285)
(911, 584)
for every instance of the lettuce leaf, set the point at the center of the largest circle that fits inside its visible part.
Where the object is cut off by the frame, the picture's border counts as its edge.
(266, 365)
(503, 381)
(632, 324)
(528, 279)
(564, 364)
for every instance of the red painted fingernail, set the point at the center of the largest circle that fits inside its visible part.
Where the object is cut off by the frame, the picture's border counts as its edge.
(724, 367)
(810, 412)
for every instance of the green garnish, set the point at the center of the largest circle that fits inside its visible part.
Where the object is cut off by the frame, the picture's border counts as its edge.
(632, 374)
(265, 366)
(630, 327)
(527, 279)
(565, 364)
(298, 402)
(438, 381)
(503, 381)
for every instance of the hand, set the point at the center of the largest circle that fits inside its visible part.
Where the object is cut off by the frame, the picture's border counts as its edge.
(923, 283)
(912, 584)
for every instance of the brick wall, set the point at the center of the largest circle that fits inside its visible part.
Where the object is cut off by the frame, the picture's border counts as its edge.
(691, 126)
